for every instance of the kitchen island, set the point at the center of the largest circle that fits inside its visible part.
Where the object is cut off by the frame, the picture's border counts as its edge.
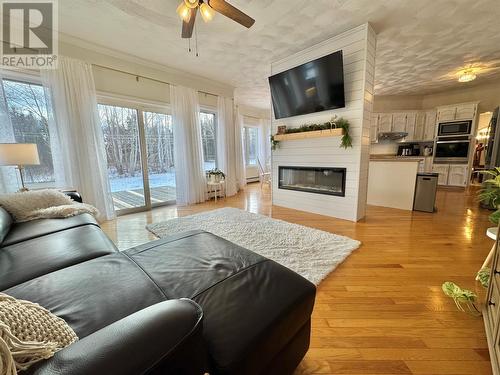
(391, 181)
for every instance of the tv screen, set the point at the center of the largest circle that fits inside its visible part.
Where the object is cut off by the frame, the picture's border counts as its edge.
(312, 87)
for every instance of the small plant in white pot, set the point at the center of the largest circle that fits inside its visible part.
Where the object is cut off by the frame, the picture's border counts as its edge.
(215, 176)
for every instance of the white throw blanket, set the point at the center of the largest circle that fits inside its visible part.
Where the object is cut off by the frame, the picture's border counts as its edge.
(43, 204)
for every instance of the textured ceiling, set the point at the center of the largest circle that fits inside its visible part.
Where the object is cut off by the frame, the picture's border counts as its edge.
(422, 44)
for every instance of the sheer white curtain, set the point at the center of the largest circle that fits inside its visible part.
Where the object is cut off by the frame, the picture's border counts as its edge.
(76, 136)
(189, 173)
(265, 144)
(226, 143)
(8, 175)
(241, 178)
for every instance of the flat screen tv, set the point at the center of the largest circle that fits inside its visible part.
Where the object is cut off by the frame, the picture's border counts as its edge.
(312, 87)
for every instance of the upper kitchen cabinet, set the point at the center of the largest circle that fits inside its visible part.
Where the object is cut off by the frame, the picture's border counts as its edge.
(419, 127)
(430, 125)
(464, 111)
(384, 122)
(411, 119)
(399, 122)
(374, 128)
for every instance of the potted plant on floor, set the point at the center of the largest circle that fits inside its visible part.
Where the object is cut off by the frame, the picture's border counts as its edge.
(215, 176)
(489, 196)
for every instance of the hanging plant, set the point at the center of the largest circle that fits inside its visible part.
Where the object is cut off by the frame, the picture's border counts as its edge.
(274, 143)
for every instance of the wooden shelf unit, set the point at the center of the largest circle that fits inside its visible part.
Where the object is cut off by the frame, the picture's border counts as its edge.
(313, 134)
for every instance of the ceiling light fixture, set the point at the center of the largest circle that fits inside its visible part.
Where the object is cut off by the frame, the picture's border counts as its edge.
(184, 12)
(467, 76)
(188, 8)
(191, 3)
(206, 12)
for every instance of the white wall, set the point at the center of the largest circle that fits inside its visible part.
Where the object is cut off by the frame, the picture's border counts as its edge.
(487, 94)
(120, 84)
(358, 46)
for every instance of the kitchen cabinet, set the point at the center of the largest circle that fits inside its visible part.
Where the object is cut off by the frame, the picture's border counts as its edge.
(419, 127)
(411, 119)
(464, 111)
(399, 122)
(442, 170)
(430, 125)
(374, 128)
(457, 175)
(384, 122)
(446, 113)
(452, 174)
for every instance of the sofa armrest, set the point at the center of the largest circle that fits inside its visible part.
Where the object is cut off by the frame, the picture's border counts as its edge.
(162, 338)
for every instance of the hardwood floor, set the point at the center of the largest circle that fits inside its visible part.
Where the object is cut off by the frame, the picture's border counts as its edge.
(382, 311)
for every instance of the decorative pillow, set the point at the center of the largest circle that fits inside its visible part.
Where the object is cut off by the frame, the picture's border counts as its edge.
(21, 205)
(28, 334)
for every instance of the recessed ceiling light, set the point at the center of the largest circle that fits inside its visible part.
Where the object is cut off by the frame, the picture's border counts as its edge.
(467, 76)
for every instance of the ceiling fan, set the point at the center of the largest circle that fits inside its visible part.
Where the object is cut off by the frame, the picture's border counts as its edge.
(188, 8)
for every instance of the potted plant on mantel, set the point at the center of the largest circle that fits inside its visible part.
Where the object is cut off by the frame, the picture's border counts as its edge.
(334, 123)
(215, 176)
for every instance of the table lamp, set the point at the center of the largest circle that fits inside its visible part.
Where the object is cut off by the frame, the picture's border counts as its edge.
(20, 155)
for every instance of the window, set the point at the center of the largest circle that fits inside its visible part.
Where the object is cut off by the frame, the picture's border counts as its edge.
(29, 111)
(251, 144)
(209, 139)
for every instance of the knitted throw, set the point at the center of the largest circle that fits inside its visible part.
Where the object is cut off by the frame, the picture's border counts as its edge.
(28, 334)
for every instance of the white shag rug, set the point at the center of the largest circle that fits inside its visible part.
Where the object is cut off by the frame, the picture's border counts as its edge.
(310, 252)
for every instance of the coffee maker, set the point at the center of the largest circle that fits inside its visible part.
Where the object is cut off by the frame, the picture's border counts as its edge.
(409, 149)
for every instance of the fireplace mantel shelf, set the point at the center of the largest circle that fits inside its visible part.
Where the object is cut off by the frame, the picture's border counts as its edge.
(314, 134)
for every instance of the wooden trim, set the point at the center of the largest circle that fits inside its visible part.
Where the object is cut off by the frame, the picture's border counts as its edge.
(313, 134)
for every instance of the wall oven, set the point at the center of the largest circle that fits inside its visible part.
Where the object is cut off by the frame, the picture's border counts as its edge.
(452, 150)
(454, 128)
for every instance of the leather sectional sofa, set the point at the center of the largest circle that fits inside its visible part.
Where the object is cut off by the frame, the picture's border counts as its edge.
(189, 304)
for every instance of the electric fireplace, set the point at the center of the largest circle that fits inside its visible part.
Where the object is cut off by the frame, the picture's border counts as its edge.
(330, 181)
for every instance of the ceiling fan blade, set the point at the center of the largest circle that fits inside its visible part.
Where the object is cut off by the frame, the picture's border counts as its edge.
(187, 27)
(229, 11)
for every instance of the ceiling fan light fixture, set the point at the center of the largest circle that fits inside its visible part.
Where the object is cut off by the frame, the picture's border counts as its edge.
(467, 76)
(184, 12)
(206, 12)
(191, 3)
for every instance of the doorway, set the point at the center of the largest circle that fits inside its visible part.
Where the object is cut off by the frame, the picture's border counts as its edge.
(139, 146)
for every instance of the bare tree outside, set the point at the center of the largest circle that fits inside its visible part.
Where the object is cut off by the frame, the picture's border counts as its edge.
(29, 111)
(209, 139)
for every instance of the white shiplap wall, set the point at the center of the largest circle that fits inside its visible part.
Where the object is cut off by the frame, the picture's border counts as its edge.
(358, 46)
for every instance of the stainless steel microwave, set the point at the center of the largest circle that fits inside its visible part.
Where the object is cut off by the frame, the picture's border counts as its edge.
(454, 128)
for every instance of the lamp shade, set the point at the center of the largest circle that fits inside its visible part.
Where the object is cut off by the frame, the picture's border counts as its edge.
(19, 154)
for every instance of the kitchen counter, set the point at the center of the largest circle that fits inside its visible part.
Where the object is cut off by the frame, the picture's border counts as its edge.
(396, 158)
(391, 182)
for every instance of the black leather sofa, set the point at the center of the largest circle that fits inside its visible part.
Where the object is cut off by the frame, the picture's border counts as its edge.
(188, 304)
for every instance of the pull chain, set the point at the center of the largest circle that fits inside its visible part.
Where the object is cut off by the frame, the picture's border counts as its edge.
(196, 39)
(189, 45)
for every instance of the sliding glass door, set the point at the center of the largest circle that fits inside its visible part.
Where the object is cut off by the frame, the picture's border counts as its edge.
(159, 136)
(120, 128)
(140, 151)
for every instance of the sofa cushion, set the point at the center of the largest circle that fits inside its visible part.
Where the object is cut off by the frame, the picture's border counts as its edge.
(28, 259)
(253, 306)
(5, 223)
(92, 294)
(32, 229)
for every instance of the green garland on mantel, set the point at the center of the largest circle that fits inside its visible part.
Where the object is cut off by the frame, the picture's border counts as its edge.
(334, 123)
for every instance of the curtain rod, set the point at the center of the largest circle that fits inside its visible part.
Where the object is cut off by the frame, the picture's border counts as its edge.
(148, 78)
